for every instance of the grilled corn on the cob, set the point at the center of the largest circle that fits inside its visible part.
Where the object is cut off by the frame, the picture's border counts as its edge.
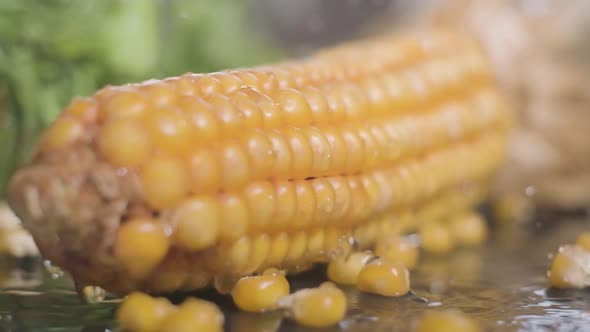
(184, 182)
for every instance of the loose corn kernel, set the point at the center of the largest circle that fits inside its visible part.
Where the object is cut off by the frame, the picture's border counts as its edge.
(384, 278)
(345, 271)
(446, 321)
(436, 238)
(125, 143)
(141, 313)
(140, 246)
(62, 132)
(583, 240)
(397, 248)
(569, 268)
(194, 315)
(196, 223)
(469, 229)
(260, 293)
(320, 307)
(165, 181)
(170, 130)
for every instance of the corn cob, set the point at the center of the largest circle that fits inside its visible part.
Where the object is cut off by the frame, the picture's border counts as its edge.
(185, 182)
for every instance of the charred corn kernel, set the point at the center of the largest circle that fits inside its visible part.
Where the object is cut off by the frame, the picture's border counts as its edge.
(141, 313)
(384, 277)
(140, 246)
(164, 181)
(260, 293)
(170, 130)
(83, 109)
(122, 104)
(320, 307)
(436, 238)
(346, 270)
(196, 223)
(583, 240)
(446, 321)
(469, 229)
(397, 248)
(194, 315)
(62, 132)
(125, 143)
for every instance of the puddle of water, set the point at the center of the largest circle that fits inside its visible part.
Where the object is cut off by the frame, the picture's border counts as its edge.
(502, 286)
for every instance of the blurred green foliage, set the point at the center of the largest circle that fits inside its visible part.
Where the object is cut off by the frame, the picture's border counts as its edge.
(53, 50)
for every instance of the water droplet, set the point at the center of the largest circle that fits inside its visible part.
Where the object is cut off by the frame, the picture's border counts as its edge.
(435, 304)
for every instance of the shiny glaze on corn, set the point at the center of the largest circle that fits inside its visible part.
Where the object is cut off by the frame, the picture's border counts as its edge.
(185, 182)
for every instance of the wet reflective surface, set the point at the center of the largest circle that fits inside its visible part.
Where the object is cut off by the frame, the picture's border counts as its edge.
(503, 286)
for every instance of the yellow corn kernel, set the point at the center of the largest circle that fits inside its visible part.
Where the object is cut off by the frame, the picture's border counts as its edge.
(83, 109)
(202, 117)
(259, 252)
(125, 143)
(140, 246)
(196, 223)
(302, 153)
(169, 276)
(260, 197)
(297, 247)
(384, 278)
(123, 104)
(164, 181)
(228, 116)
(583, 240)
(64, 131)
(234, 166)
(285, 205)
(345, 271)
(234, 216)
(170, 130)
(569, 268)
(250, 112)
(260, 293)
(279, 247)
(260, 152)
(320, 113)
(283, 155)
(446, 321)
(141, 313)
(194, 315)
(469, 229)
(306, 205)
(397, 248)
(160, 93)
(320, 307)
(295, 109)
(204, 171)
(436, 238)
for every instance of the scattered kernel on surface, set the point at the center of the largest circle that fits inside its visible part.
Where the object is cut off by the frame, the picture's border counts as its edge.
(316, 307)
(384, 278)
(140, 246)
(125, 143)
(570, 268)
(583, 240)
(446, 321)
(63, 131)
(345, 270)
(469, 229)
(164, 181)
(260, 293)
(194, 315)
(197, 222)
(436, 238)
(397, 248)
(142, 313)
